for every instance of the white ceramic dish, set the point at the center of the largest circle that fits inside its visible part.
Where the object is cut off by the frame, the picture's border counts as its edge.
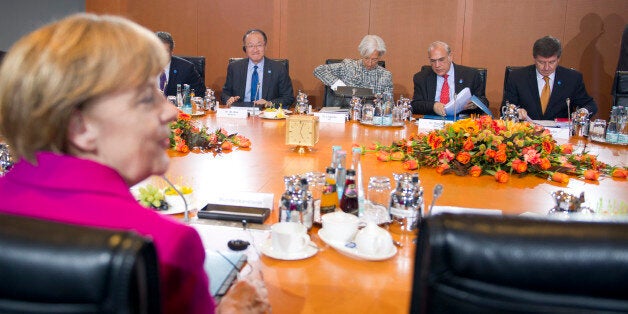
(308, 251)
(352, 251)
(176, 207)
(273, 115)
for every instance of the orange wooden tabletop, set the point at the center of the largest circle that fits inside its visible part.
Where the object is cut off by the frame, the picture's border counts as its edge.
(333, 283)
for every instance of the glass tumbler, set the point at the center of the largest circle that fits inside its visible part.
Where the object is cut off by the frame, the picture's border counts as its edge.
(378, 196)
(597, 131)
(316, 184)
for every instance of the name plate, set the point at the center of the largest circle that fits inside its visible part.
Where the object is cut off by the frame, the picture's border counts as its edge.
(232, 113)
(331, 117)
(560, 133)
(427, 125)
(250, 199)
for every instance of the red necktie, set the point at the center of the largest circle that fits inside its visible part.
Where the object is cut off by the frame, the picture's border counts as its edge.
(444, 91)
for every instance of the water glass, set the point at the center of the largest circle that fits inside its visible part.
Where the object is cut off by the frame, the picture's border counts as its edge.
(378, 200)
(597, 131)
(316, 185)
(173, 100)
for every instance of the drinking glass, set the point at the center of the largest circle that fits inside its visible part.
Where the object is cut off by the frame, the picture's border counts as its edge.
(173, 100)
(198, 105)
(316, 184)
(597, 131)
(378, 196)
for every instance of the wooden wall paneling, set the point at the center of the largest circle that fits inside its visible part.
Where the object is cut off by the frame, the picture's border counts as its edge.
(503, 33)
(408, 27)
(591, 45)
(319, 30)
(114, 7)
(221, 27)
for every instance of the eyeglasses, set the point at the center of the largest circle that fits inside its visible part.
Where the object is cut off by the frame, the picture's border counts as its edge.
(251, 46)
(546, 63)
(371, 60)
(439, 60)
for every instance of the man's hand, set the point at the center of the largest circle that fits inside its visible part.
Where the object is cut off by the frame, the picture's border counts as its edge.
(263, 103)
(439, 108)
(248, 295)
(469, 105)
(232, 99)
(523, 114)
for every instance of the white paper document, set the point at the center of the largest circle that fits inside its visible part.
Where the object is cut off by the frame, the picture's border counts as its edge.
(457, 105)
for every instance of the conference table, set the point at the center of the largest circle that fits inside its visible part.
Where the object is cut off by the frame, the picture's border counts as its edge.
(330, 282)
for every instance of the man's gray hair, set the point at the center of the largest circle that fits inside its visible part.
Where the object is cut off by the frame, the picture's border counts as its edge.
(438, 44)
(370, 44)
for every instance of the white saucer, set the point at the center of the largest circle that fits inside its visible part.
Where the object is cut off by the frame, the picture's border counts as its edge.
(352, 250)
(308, 251)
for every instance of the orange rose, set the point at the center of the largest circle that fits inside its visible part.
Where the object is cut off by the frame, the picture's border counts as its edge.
(519, 166)
(567, 148)
(383, 156)
(468, 145)
(500, 156)
(177, 131)
(591, 174)
(442, 168)
(463, 157)
(545, 164)
(372, 146)
(502, 176)
(548, 146)
(434, 140)
(475, 171)
(410, 164)
(620, 173)
(397, 156)
(226, 145)
(560, 177)
(490, 154)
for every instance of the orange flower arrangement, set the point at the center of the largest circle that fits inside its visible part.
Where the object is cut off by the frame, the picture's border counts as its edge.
(184, 135)
(495, 147)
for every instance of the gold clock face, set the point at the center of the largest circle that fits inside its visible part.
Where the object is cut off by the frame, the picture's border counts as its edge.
(302, 130)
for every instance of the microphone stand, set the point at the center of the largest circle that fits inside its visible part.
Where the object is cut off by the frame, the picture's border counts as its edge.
(186, 216)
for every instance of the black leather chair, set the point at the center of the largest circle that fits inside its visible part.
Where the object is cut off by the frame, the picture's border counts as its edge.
(199, 64)
(284, 61)
(620, 89)
(49, 267)
(510, 264)
(331, 99)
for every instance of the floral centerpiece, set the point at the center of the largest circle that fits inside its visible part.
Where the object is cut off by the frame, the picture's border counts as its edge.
(495, 147)
(184, 135)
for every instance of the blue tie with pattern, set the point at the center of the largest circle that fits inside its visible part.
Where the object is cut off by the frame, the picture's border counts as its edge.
(254, 82)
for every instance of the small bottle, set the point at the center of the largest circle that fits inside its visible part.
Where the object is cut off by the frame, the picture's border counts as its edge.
(341, 170)
(349, 201)
(334, 154)
(187, 100)
(329, 198)
(357, 166)
(179, 97)
(612, 130)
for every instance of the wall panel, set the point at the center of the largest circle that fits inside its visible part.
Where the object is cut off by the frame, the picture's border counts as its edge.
(482, 33)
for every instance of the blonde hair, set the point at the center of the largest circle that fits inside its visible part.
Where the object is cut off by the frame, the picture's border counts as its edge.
(62, 67)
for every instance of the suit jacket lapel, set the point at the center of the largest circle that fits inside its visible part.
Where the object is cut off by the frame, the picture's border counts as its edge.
(458, 79)
(266, 79)
(242, 83)
(534, 89)
(553, 105)
(431, 86)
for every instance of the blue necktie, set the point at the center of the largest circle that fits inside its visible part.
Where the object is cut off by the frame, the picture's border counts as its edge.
(162, 82)
(254, 82)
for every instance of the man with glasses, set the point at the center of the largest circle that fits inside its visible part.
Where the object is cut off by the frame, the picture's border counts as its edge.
(541, 90)
(435, 86)
(364, 72)
(256, 79)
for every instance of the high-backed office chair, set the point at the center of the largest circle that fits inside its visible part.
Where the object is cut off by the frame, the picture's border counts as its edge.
(199, 64)
(509, 69)
(483, 75)
(511, 264)
(620, 89)
(331, 99)
(49, 267)
(284, 61)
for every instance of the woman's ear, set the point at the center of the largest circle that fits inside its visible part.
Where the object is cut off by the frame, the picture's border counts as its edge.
(81, 136)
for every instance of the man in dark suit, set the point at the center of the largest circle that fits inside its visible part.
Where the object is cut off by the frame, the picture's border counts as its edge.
(178, 71)
(257, 79)
(541, 90)
(432, 85)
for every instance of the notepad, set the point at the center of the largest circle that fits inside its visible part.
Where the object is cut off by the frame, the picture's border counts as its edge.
(455, 107)
(222, 268)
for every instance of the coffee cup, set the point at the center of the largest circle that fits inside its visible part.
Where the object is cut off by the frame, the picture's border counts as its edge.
(373, 240)
(340, 226)
(289, 237)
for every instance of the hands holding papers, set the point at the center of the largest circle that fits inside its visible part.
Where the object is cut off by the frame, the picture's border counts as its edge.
(463, 101)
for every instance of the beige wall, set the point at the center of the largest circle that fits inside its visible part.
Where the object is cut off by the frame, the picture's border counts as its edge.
(482, 33)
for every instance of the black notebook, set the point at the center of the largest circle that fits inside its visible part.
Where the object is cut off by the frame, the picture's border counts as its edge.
(222, 268)
(234, 213)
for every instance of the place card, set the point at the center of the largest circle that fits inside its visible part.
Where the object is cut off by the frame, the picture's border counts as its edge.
(427, 125)
(560, 133)
(249, 199)
(331, 117)
(239, 113)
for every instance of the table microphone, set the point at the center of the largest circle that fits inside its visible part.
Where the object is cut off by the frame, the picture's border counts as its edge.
(438, 190)
(186, 217)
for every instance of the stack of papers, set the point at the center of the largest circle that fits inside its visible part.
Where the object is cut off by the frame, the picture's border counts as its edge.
(456, 105)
